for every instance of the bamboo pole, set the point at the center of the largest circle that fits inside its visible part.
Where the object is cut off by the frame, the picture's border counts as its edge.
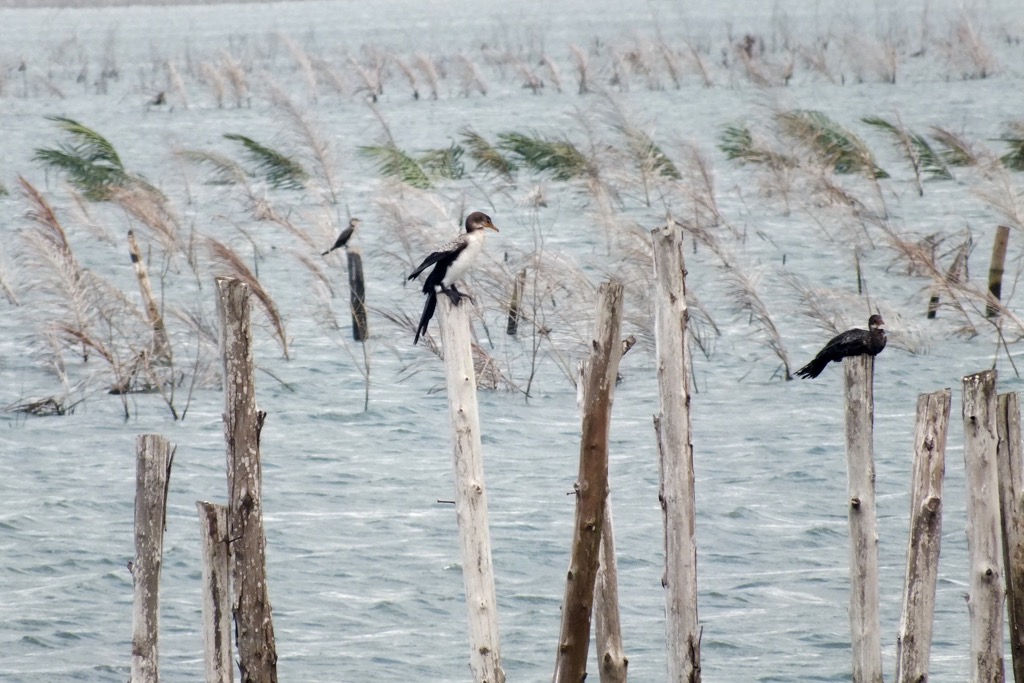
(611, 657)
(471, 495)
(357, 294)
(154, 456)
(913, 644)
(591, 488)
(865, 630)
(161, 342)
(675, 456)
(254, 627)
(213, 533)
(1011, 490)
(985, 600)
(995, 270)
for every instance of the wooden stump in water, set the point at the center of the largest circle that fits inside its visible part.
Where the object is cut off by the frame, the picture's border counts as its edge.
(152, 475)
(913, 643)
(995, 270)
(1011, 506)
(216, 550)
(357, 294)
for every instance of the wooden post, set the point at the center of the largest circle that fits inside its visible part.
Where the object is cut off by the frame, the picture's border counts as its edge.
(153, 458)
(161, 342)
(512, 324)
(995, 269)
(471, 495)
(254, 627)
(865, 630)
(985, 601)
(913, 644)
(611, 656)
(591, 488)
(357, 294)
(1011, 489)
(213, 533)
(675, 456)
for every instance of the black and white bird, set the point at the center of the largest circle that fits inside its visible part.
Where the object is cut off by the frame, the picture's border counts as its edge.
(853, 342)
(345, 236)
(450, 263)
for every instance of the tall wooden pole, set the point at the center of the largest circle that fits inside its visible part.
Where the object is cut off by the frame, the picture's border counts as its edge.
(254, 627)
(984, 546)
(591, 488)
(865, 630)
(995, 270)
(913, 644)
(357, 294)
(471, 495)
(1011, 498)
(152, 475)
(675, 456)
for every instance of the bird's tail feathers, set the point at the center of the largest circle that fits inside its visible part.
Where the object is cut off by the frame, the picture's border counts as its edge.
(428, 312)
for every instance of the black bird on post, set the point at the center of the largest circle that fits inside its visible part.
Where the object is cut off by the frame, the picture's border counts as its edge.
(345, 236)
(450, 263)
(853, 342)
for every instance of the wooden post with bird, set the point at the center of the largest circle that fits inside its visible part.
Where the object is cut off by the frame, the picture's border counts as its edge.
(471, 494)
(865, 629)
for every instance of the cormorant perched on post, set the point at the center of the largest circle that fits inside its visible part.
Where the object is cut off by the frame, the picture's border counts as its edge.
(853, 342)
(450, 263)
(345, 236)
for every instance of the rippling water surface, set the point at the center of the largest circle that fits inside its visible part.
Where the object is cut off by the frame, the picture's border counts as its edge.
(363, 560)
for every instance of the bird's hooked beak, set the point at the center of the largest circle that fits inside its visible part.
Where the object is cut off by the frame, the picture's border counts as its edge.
(491, 225)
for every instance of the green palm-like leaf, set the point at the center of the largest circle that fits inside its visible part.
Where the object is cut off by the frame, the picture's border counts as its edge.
(737, 142)
(1014, 159)
(650, 154)
(90, 161)
(393, 162)
(954, 149)
(444, 163)
(225, 171)
(560, 158)
(487, 157)
(915, 147)
(279, 170)
(836, 146)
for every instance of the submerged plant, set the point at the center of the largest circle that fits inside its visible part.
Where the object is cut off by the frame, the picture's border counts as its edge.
(737, 142)
(835, 145)
(923, 159)
(954, 149)
(395, 163)
(488, 158)
(445, 163)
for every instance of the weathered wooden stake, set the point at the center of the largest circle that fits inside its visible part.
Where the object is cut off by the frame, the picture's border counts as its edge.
(213, 533)
(985, 601)
(995, 270)
(357, 294)
(471, 495)
(913, 644)
(1011, 497)
(254, 627)
(591, 488)
(512, 324)
(161, 349)
(152, 476)
(865, 630)
(675, 456)
(611, 656)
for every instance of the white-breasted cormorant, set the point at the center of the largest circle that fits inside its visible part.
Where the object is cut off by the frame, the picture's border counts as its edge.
(853, 342)
(450, 263)
(345, 236)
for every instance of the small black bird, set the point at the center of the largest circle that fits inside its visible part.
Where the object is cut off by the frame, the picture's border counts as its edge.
(451, 262)
(853, 342)
(345, 236)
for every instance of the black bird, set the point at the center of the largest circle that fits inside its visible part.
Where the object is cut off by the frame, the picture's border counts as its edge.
(451, 262)
(853, 342)
(345, 236)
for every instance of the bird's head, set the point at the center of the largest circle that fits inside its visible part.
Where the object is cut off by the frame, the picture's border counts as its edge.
(354, 223)
(875, 322)
(478, 220)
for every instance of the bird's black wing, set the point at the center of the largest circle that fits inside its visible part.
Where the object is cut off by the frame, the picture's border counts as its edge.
(342, 240)
(448, 251)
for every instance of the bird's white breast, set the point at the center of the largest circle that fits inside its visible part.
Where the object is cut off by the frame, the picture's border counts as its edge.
(464, 261)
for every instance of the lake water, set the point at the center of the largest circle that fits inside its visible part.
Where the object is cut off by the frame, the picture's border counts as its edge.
(363, 560)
